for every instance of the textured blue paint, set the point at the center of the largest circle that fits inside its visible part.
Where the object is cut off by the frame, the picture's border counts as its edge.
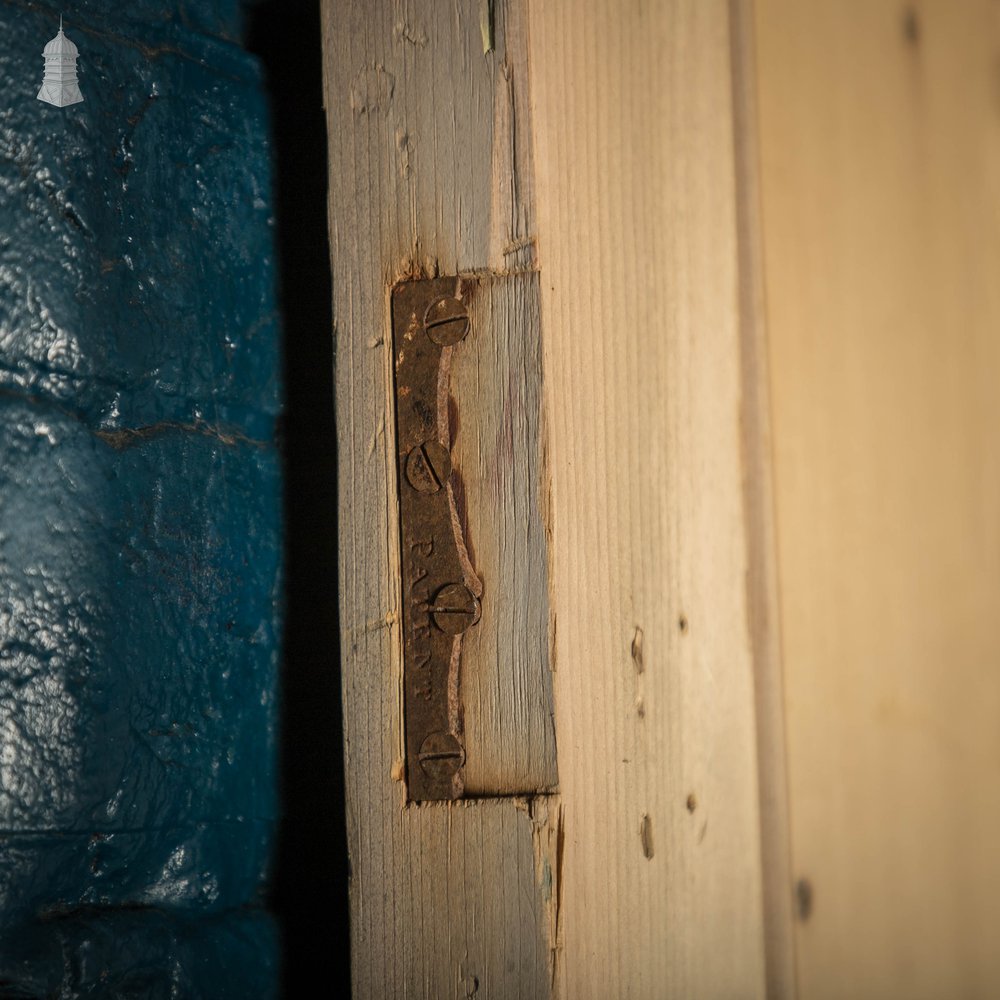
(143, 955)
(139, 508)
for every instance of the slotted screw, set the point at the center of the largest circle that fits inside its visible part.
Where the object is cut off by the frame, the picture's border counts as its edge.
(446, 321)
(441, 755)
(428, 467)
(455, 609)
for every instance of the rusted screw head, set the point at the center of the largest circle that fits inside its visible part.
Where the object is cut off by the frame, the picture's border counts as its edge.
(446, 321)
(455, 609)
(428, 467)
(441, 755)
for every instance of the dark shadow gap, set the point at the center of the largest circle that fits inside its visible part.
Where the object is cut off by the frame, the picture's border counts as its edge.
(309, 888)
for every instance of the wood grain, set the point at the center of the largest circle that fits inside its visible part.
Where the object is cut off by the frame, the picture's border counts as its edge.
(880, 144)
(496, 385)
(758, 491)
(620, 169)
(426, 177)
(661, 885)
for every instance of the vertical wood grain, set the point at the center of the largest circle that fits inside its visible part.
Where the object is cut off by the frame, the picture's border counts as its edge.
(758, 489)
(496, 385)
(426, 157)
(602, 148)
(661, 885)
(880, 146)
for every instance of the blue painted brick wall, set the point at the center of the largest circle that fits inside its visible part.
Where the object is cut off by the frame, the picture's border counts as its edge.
(139, 507)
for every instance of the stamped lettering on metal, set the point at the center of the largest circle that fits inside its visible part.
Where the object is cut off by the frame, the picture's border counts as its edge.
(441, 591)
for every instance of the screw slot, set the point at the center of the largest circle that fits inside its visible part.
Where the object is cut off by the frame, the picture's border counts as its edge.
(441, 755)
(446, 321)
(455, 609)
(428, 467)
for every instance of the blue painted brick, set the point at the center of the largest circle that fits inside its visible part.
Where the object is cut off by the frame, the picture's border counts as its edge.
(140, 551)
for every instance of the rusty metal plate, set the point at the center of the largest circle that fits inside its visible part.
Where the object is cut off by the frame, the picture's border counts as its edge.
(441, 591)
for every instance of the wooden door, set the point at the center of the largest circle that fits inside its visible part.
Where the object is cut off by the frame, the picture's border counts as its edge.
(880, 151)
(602, 150)
(703, 246)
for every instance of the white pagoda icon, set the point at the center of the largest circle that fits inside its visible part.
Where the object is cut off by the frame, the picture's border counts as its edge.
(59, 86)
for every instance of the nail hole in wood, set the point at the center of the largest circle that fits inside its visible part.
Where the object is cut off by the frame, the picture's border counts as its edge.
(803, 899)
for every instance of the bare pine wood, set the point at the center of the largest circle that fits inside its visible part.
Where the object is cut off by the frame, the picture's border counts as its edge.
(496, 383)
(762, 578)
(426, 166)
(636, 179)
(623, 186)
(880, 145)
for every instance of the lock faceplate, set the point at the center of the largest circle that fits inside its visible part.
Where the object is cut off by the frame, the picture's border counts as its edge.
(441, 590)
